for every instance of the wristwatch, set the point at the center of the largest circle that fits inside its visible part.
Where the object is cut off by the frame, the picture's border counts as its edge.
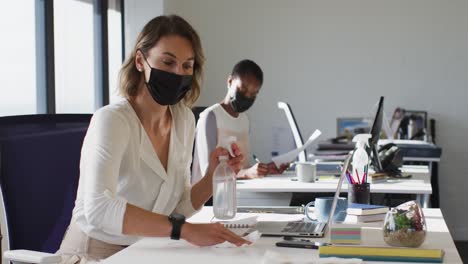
(177, 220)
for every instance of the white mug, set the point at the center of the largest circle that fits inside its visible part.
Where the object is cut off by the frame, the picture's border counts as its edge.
(306, 171)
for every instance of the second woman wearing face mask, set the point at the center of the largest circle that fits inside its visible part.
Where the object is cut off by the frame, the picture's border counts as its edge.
(228, 118)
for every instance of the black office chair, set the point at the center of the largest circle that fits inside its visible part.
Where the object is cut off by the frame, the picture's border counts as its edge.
(197, 111)
(39, 171)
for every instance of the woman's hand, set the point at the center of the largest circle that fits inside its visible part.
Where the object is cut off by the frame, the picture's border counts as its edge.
(258, 170)
(234, 162)
(272, 169)
(210, 234)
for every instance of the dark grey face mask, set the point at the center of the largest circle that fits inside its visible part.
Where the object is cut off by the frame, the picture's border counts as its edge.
(241, 103)
(168, 88)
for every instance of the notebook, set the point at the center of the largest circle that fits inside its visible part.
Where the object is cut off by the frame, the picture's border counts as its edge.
(271, 209)
(366, 209)
(240, 226)
(245, 223)
(301, 228)
(364, 218)
(383, 253)
(240, 230)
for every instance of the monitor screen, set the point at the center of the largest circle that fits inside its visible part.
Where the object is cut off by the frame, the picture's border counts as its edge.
(375, 132)
(350, 126)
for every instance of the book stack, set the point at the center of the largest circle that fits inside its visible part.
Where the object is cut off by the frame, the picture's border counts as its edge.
(362, 213)
(383, 253)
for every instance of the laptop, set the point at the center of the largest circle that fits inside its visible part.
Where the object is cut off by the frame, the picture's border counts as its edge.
(303, 229)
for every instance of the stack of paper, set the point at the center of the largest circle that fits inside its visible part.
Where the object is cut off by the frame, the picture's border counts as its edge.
(345, 235)
(377, 177)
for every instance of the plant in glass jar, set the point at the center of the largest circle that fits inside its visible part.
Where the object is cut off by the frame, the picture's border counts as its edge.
(405, 226)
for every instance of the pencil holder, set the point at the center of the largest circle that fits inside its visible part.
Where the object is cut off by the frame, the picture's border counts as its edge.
(359, 193)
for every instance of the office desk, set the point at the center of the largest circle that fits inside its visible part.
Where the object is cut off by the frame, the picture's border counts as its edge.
(164, 250)
(278, 190)
(430, 175)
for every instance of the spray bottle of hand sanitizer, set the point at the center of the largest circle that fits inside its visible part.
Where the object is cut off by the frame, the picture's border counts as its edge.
(224, 185)
(360, 157)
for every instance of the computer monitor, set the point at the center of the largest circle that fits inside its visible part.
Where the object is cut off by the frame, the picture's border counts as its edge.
(294, 128)
(375, 132)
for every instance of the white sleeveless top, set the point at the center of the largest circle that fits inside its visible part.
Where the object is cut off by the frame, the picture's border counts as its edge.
(213, 125)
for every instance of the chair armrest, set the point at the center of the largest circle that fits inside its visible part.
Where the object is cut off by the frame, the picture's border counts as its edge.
(29, 256)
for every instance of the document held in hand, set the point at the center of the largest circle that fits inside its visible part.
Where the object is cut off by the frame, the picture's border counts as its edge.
(291, 155)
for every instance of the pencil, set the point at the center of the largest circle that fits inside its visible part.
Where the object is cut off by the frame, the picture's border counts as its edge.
(357, 176)
(256, 159)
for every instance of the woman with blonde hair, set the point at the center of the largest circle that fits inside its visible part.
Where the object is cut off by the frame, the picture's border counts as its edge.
(136, 156)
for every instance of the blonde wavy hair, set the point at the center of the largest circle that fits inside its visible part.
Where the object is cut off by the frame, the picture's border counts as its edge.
(153, 31)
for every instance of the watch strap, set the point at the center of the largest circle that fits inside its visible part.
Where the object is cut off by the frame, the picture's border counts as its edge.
(177, 221)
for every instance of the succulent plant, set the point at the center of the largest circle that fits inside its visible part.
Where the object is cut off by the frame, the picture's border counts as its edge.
(405, 225)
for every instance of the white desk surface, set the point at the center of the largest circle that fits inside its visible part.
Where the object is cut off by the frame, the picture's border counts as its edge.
(164, 250)
(278, 189)
(289, 184)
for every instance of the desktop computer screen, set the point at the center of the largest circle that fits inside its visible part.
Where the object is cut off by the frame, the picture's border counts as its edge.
(375, 132)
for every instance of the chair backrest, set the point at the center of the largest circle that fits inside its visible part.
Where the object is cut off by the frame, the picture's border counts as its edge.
(294, 129)
(197, 111)
(39, 171)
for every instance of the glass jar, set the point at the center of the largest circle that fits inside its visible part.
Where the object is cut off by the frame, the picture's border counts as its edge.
(405, 226)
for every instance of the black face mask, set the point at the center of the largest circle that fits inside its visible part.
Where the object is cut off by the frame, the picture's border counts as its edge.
(168, 88)
(241, 103)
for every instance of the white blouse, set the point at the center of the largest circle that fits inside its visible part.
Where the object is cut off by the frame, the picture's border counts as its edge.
(119, 166)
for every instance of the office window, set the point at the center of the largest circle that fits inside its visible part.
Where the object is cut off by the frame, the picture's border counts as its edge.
(18, 58)
(114, 16)
(75, 56)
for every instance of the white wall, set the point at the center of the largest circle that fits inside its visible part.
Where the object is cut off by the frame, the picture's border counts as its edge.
(334, 58)
(136, 14)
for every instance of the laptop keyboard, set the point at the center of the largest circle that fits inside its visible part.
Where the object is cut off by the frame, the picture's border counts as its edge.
(302, 227)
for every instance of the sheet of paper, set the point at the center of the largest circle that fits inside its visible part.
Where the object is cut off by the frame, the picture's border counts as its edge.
(282, 140)
(291, 155)
(252, 237)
